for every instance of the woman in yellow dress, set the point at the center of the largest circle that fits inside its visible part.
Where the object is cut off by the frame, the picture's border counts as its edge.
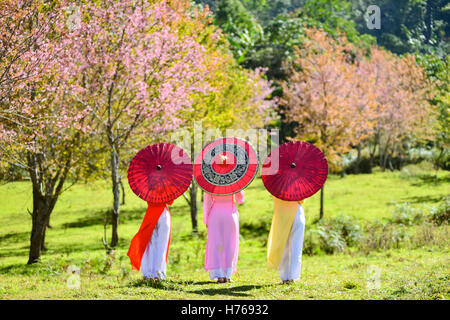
(284, 248)
(293, 172)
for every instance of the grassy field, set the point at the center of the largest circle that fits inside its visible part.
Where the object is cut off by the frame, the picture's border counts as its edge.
(412, 270)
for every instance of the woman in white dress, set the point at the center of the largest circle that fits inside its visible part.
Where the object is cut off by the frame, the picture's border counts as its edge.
(221, 217)
(154, 263)
(149, 248)
(285, 243)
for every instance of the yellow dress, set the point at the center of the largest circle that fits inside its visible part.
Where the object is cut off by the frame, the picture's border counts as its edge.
(282, 221)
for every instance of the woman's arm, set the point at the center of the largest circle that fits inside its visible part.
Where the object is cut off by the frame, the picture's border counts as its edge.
(239, 197)
(207, 202)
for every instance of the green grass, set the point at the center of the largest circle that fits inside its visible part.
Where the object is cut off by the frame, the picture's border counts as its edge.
(75, 239)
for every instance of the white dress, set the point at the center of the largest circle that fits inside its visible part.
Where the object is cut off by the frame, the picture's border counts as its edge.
(153, 263)
(221, 216)
(291, 261)
(220, 273)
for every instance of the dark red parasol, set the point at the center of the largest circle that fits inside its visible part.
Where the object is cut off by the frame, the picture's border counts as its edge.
(225, 166)
(294, 171)
(160, 173)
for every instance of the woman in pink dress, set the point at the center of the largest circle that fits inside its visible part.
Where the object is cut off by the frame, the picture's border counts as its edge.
(221, 217)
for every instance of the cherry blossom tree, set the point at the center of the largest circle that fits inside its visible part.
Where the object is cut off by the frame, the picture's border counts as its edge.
(401, 93)
(341, 98)
(22, 29)
(239, 97)
(328, 94)
(41, 129)
(139, 72)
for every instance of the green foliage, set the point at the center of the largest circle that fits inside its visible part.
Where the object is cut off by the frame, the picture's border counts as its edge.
(382, 236)
(270, 44)
(340, 233)
(282, 35)
(332, 236)
(441, 214)
(408, 25)
(438, 70)
(264, 34)
(77, 229)
(242, 29)
(266, 10)
(407, 215)
(323, 240)
(233, 10)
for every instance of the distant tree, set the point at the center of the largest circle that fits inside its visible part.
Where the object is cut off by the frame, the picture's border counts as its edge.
(140, 71)
(242, 29)
(403, 113)
(233, 10)
(282, 33)
(42, 130)
(438, 70)
(408, 25)
(327, 95)
(267, 10)
(242, 100)
(21, 30)
(238, 97)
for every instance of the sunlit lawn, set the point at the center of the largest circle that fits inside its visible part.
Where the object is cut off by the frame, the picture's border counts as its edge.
(77, 230)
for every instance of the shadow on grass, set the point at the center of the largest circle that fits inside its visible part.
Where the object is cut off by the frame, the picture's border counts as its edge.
(151, 284)
(254, 229)
(422, 199)
(97, 218)
(36, 269)
(61, 249)
(237, 291)
(430, 179)
(14, 237)
(17, 268)
(70, 248)
(166, 285)
(20, 252)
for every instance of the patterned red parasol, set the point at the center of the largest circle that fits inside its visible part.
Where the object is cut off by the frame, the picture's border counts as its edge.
(294, 171)
(225, 166)
(160, 173)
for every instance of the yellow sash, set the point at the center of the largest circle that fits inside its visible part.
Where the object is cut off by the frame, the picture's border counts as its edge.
(282, 221)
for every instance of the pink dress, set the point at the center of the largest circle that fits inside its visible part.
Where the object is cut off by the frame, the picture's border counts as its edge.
(222, 222)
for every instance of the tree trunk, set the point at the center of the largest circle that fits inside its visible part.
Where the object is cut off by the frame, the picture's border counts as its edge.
(380, 160)
(193, 205)
(428, 21)
(123, 191)
(42, 207)
(193, 190)
(372, 155)
(358, 160)
(115, 177)
(46, 190)
(391, 167)
(43, 247)
(321, 202)
(385, 163)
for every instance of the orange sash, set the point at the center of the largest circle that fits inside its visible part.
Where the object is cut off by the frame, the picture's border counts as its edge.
(141, 239)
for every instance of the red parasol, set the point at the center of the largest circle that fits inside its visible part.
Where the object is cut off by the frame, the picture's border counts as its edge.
(294, 171)
(225, 166)
(160, 173)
